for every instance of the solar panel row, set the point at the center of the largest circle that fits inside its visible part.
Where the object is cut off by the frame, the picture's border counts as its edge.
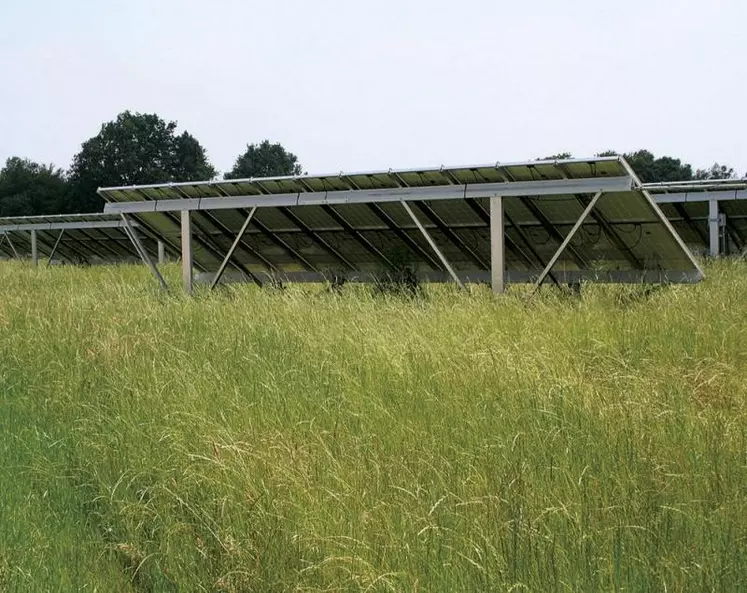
(710, 216)
(437, 220)
(76, 238)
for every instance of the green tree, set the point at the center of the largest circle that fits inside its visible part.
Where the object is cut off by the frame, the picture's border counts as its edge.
(28, 188)
(560, 156)
(715, 172)
(651, 169)
(135, 148)
(264, 160)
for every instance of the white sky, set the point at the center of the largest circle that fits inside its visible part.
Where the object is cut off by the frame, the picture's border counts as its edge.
(352, 85)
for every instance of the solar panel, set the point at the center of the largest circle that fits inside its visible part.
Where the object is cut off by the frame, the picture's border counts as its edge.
(74, 238)
(710, 215)
(357, 225)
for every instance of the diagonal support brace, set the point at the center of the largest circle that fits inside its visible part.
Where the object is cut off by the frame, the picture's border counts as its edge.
(231, 251)
(54, 249)
(433, 245)
(130, 230)
(567, 241)
(13, 247)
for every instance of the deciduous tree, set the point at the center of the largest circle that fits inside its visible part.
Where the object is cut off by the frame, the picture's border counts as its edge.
(135, 148)
(715, 172)
(28, 188)
(264, 160)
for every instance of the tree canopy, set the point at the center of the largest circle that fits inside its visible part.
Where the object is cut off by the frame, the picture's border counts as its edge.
(715, 172)
(651, 169)
(28, 188)
(264, 160)
(135, 148)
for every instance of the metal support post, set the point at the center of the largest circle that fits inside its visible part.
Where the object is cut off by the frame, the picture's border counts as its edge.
(56, 244)
(34, 249)
(433, 245)
(235, 244)
(567, 240)
(130, 230)
(161, 253)
(497, 245)
(187, 251)
(713, 227)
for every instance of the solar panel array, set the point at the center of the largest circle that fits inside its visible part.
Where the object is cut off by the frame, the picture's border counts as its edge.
(686, 205)
(355, 224)
(83, 238)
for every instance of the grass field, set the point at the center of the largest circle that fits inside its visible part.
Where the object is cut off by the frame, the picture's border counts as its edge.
(264, 440)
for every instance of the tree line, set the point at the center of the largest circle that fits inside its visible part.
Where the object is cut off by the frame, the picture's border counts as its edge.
(139, 148)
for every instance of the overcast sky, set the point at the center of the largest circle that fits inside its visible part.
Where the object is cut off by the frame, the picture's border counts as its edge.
(353, 85)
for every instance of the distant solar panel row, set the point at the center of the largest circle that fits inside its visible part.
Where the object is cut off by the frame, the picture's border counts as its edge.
(710, 216)
(75, 238)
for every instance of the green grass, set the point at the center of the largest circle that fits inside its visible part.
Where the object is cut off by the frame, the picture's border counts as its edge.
(264, 440)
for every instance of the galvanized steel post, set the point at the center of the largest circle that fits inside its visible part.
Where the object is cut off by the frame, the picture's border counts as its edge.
(34, 249)
(187, 251)
(713, 227)
(497, 245)
(161, 253)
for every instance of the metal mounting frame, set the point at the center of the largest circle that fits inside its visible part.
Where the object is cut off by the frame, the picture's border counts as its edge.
(567, 240)
(433, 245)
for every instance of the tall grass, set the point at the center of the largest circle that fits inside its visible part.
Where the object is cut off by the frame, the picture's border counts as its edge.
(297, 440)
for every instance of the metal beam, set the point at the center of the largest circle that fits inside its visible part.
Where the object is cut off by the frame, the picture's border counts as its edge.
(226, 233)
(668, 225)
(510, 243)
(552, 230)
(680, 209)
(2, 238)
(713, 229)
(433, 245)
(186, 236)
(161, 252)
(56, 244)
(735, 236)
(442, 192)
(451, 234)
(359, 237)
(57, 226)
(41, 240)
(203, 236)
(290, 215)
(34, 249)
(104, 245)
(13, 247)
(132, 234)
(483, 277)
(567, 240)
(497, 245)
(229, 255)
(614, 237)
(699, 196)
(403, 236)
(272, 236)
(607, 227)
(549, 227)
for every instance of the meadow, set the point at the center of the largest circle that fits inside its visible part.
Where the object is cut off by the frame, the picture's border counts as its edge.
(305, 440)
